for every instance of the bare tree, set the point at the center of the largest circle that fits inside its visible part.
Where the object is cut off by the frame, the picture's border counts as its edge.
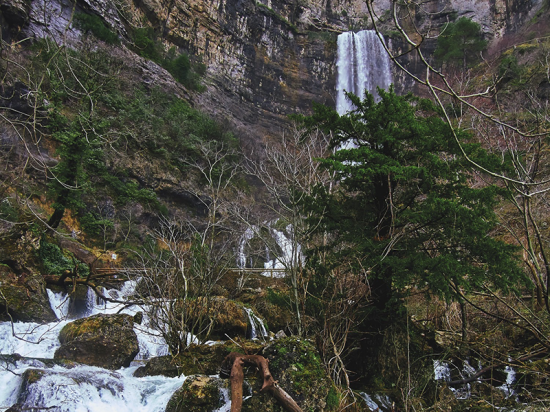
(186, 258)
(289, 171)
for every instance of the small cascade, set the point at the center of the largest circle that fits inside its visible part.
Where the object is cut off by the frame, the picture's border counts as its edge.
(507, 387)
(377, 402)
(226, 400)
(257, 326)
(288, 253)
(248, 234)
(60, 303)
(290, 256)
(362, 64)
(442, 372)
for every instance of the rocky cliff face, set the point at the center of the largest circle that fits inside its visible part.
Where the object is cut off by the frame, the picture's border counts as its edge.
(265, 59)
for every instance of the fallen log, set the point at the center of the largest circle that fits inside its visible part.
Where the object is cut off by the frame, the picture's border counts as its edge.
(234, 362)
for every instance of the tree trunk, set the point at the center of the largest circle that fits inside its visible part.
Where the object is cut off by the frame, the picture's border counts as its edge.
(235, 362)
(56, 218)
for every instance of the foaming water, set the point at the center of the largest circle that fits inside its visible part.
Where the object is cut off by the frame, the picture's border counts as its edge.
(84, 388)
(80, 388)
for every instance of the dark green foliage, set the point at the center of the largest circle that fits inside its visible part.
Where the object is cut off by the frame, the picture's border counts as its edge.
(93, 224)
(405, 207)
(92, 23)
(170, 127)
(333, 399)
(54, 262)
(8, 211)
(278, 298)
(146, 45)
(460, 43)
(179, 66)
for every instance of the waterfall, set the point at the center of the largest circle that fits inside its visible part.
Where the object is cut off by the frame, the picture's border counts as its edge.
(291, 252)
(60, 303)
(256, 325)
(362, 64)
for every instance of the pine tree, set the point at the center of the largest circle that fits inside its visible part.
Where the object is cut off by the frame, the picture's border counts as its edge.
(461, 43)
(405, 209)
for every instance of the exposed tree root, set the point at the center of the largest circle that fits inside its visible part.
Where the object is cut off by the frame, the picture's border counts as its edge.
(234, 362)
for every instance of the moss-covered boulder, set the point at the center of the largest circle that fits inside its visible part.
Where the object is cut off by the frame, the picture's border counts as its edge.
(198, 394)
(107, 341)
(229, 317)
(23, 297)
(197, 359)
(296, 365)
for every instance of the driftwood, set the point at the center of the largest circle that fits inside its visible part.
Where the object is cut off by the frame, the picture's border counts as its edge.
(234, 363)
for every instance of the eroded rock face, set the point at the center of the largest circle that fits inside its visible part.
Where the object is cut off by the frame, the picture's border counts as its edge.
(265, 59)
(107, 341)
(24, 297)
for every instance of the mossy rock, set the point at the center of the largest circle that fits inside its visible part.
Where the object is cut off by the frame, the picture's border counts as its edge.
(296, 365)
(197, 394)
(197, 359)
(229, 317)
(107, 341)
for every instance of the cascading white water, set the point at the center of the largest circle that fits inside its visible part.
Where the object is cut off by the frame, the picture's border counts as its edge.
(362, 64)
(291, 252)
(80, 388)
(257, 326)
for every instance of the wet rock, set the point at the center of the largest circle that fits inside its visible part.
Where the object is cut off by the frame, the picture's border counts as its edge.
(63, 389)
(107, 341)
(198, 394)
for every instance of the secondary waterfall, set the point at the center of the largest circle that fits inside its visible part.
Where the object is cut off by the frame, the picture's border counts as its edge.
(362, 64)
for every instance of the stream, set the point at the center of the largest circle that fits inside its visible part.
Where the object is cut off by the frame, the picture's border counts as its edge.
(81, 387)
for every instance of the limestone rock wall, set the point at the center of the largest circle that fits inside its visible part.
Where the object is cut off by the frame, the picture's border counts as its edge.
(265, 59)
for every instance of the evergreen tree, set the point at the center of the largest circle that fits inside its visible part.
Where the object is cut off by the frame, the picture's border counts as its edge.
(405, 210)
(460, 43)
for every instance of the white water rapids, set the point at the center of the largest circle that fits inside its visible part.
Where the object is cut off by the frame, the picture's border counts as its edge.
(79, 388)
(86, 388)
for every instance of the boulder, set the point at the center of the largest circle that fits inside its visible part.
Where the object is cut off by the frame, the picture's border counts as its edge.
(229, 317)
(107, 341)
(198, 394)
(197, 359)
